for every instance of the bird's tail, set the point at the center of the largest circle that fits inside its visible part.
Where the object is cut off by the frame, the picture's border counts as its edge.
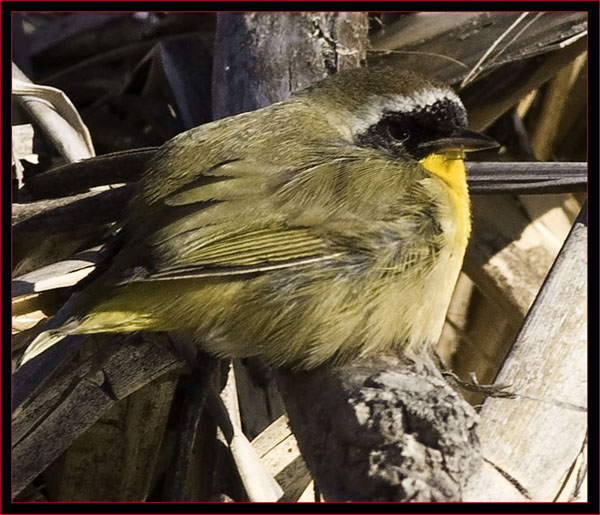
(42, 342)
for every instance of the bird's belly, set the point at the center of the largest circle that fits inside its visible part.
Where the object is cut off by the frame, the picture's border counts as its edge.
(429, 304)
(305, 320)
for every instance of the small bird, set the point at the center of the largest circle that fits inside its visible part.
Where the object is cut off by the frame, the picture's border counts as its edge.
(323, 228)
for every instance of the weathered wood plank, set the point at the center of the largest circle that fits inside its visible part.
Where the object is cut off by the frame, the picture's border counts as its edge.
(196, 386)
(114, 459)
(536, 437)
(278, 450)
(80, 398)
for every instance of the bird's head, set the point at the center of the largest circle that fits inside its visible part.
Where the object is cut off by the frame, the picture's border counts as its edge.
(398, 112)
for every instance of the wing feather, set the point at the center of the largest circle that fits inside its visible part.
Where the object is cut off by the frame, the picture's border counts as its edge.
(251, 219)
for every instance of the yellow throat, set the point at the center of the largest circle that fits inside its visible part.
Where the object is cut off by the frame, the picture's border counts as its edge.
(450, 167)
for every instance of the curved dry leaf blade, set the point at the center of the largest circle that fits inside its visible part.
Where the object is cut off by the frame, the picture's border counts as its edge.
(57, 116)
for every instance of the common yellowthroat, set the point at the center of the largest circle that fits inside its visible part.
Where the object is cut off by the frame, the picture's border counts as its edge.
(328, 226)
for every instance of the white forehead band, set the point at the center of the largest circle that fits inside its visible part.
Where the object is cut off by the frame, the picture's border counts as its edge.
(373, 111)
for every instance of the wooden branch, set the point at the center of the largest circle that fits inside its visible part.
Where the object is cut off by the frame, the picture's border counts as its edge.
(526, 178)
(537, 437)
(57, 211)
(382, 430)
(72, 178)
(247, 73)
(52, 230)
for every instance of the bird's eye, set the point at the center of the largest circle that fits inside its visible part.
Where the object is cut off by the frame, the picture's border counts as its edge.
(398, 131)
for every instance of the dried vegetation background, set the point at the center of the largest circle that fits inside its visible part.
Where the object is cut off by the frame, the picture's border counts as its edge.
(117, 85)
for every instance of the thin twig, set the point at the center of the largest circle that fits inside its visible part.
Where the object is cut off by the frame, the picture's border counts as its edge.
(527, 25)
(477, 66)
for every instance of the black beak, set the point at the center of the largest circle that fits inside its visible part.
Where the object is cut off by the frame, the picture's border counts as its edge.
(460, 138)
